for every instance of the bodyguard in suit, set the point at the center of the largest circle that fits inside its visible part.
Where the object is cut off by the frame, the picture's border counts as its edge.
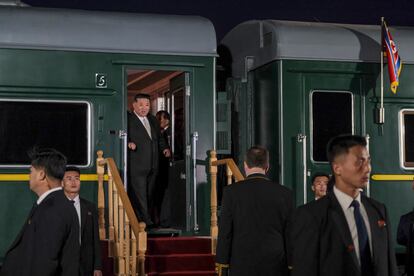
(48, 243)
(253, 222)
(144, 143)
(405, 237)
(345, 232)
(90, 250)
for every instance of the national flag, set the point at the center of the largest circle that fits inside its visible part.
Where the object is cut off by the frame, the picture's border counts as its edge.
(394, 60)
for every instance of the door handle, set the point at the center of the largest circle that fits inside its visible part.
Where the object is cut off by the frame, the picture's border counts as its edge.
(123, 135)
(301, 138)
(194, 145)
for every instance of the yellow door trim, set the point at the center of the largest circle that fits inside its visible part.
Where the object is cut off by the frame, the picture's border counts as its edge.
(25, 177)
(393, 177)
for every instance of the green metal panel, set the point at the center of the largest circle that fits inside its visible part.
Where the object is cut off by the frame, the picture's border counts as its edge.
(59, 75)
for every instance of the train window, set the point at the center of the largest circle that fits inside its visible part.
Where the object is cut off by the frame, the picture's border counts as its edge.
(331, 115)
(408, 137)
(61, 125)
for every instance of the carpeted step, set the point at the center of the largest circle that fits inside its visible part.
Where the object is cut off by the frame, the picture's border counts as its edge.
(179, 262)
(178, 245)
(107, 262)
(184, 273)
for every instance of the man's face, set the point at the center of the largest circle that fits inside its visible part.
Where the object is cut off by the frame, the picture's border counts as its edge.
(320, 185)
(163, 122)
(141, 106)
(36, 175)
(353, 168)
(71, 182)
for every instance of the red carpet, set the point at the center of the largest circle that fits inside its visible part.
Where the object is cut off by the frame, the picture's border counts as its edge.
(179, 256)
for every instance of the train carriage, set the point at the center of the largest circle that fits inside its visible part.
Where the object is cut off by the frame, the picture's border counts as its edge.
(295, 85)
(67, 79)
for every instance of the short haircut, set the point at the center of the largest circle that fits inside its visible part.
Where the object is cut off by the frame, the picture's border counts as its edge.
(341, 144)
(319, 174)
(72, 169)
(257, 157)
(142, 96)
(50, 160)
(164, 114)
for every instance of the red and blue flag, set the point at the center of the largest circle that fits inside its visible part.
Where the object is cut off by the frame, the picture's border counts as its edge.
(394, 61)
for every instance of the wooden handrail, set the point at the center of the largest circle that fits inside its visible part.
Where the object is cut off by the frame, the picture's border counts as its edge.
(231, 171)
(232, 166)
(123, 224)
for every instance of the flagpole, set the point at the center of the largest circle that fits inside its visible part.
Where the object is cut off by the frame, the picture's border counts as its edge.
(381, 118)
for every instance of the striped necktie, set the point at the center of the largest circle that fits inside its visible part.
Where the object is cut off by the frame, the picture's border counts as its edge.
(147, 126)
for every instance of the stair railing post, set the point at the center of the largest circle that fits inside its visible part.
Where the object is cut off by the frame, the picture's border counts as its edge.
(115, 244)
(111, 195)
(229, 175)
(121, 235)
(142, 248)
(127, 245)
(133, 254)
(213, 202)
(100, 171)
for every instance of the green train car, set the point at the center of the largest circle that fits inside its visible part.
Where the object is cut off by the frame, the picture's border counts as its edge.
(67, 79)
(295, 85)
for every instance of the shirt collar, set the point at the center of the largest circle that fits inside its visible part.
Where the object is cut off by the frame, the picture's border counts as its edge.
(45, 194)
(139, 117)
(344, 199)
(76, 199)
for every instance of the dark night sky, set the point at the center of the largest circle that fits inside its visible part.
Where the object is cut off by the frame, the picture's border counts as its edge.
(225, 14)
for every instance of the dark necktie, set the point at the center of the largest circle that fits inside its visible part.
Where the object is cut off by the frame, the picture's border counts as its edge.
(363, 240)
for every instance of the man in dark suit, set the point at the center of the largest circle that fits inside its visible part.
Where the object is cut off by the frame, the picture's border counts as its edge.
(90, 250)
(405, 237)
(144, 143)
(253, 222)
(344, 233)
(48, 244)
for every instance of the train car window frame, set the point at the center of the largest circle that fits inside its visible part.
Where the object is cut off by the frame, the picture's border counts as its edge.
(403, 163)
(311, 130)
(88, 127)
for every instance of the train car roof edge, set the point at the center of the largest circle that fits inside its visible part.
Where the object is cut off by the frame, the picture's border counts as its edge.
(97, 31)
(268, 40)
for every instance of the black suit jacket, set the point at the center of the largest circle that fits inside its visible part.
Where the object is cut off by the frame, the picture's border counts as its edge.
(322, 243)
(145, 157)
(90, 254)
(48, 244)
(405, 236)
(252, 229)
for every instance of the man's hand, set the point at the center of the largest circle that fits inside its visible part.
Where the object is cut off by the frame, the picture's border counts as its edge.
(132, 146)
(167, 153)
(97, 273)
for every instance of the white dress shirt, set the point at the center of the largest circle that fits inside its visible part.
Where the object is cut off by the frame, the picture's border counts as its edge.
(145, 123)
(345, 202)
(45, 194)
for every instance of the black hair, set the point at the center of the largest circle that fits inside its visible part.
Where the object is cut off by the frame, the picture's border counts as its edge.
(257, 157)
(50, 160)
(319, 174)
(341, 144)
(72, 169)
(164, 114)
(142, 96)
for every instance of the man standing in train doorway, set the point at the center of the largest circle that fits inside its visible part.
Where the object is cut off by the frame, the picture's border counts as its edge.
(144, 144)
(345, 232)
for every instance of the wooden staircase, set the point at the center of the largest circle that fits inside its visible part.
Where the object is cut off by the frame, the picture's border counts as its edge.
(179, 256)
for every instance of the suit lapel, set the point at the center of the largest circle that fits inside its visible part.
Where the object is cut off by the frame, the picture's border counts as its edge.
(83, 212)
(339, 219)
(141, 125)
(374, 218)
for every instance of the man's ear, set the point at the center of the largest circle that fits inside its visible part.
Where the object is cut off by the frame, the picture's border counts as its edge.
(42, 175)
(313, 188)
(336, 168)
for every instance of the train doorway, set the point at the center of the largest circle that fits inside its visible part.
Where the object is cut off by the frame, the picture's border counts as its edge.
(167, 90)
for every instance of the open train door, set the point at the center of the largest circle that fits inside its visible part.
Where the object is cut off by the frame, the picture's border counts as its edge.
(180, 171)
